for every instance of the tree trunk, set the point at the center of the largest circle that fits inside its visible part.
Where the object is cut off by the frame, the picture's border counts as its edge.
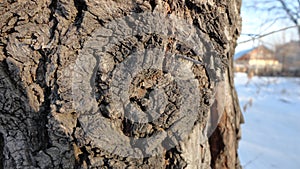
(118, 84)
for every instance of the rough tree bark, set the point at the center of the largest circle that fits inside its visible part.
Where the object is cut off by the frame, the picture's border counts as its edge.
(43, 42)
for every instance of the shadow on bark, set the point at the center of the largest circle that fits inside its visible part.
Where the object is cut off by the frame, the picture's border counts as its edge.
(23, 131)
(1, 151)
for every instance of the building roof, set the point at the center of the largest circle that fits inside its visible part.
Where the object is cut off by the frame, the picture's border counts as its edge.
(290, 49)
(260, 52)
(289, 54)
(241, 53)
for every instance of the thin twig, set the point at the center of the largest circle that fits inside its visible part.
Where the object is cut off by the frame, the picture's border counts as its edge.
(251, 161)
(260, 36)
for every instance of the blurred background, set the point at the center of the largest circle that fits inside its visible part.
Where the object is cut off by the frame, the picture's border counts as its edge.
(267, 79)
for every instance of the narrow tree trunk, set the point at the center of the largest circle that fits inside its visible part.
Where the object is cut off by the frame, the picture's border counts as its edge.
(80, 80)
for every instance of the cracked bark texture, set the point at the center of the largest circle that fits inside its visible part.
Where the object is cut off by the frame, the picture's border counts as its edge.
(40, 40)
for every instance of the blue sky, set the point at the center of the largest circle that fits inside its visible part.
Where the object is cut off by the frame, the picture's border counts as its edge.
(253, 23)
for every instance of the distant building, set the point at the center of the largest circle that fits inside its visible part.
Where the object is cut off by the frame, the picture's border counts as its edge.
(289, 56)
(259, 60)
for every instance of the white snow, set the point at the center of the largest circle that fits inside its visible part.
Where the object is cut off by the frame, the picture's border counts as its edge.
(271, 133)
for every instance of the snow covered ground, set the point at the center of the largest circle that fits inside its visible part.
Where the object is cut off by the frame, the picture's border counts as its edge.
(271, 133)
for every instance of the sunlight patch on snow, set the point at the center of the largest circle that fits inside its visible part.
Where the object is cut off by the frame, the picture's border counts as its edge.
(271, 133)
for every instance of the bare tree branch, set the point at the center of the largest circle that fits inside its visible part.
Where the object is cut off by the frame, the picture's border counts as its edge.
(260, 36)
(288, 12)
(272, 22)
